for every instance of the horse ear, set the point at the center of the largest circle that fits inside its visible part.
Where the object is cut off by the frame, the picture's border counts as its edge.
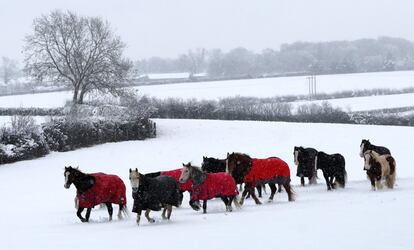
(77, 168)
(136, 169)
(228, 154)
(130, 170)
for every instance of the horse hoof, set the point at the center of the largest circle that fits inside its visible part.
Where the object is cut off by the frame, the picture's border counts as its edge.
(270, 201)
(151, 221)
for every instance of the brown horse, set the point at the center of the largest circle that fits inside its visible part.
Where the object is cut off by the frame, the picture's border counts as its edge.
(252, 172)
(379, 168)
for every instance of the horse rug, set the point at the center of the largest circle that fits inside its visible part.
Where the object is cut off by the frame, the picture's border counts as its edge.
(215, 185)
(107, 188)
(267, 169)
(175, 174)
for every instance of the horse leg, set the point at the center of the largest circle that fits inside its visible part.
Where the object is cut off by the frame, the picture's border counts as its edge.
(259, 190)
(273, 191)
(122, 210)
(79, 214)
(110, 210)
(332, 181)
(328, 184)
(226, 202)
(88, 213)
(163, 213)
(289, 191)
(279, 189)
(252, 193)
(150, 220)
(138, 216)
(169, 211)
(243, 196)
(372, 179)
(181, 197)
(204, 206)
(302, 181)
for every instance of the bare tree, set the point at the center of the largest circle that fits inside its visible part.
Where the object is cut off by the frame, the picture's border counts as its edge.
(82, 52)
(8, 69)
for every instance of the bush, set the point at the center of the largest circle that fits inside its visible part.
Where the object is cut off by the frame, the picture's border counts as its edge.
(22, 141)
(63, 134)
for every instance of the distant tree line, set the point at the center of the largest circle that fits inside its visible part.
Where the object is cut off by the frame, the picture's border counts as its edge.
(364, 55)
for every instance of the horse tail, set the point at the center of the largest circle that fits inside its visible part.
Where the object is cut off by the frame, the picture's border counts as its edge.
(390, 179)
(391, 162)
(289, 190)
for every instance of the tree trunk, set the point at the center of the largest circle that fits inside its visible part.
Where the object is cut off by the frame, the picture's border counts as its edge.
(81, 95)
(75, 95)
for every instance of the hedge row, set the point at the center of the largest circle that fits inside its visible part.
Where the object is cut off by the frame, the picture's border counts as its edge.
(63, 134)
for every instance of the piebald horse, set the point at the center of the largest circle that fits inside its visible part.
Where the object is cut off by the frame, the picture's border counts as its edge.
(380, 168)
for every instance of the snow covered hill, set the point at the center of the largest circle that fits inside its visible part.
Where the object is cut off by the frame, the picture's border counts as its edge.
(38, 213)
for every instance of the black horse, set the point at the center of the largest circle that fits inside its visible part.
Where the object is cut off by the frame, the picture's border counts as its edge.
(213, 165)
(305, 161)
(333, 168)
(153, 194)
(94, 189)
(366, 145)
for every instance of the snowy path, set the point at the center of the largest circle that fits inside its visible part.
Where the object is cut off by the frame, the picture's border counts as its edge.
(38, 213)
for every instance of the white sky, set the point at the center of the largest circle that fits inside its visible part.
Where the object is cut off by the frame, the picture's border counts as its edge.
(170, 27)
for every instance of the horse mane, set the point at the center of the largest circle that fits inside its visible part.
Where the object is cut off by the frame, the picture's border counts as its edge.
(198, 175)
(241, 154)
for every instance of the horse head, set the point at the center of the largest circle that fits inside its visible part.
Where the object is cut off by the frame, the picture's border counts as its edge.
(186, 172)
(296, 152)
(71, 174)
(363, 147)
(368, 160)
(135, 179)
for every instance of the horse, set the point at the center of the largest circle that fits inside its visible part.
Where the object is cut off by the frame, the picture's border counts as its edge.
(379, 168)
(207, 186)
(305, 161)
(175, 174)
(333, 169)
(152, 194)
(366, 145)
(252, 172)
(96, 188)
(213, 165)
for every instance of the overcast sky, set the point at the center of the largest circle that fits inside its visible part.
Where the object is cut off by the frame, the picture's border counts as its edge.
(169, 27)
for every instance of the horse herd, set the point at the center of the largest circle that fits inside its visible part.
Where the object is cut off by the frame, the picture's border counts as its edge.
(218, 178)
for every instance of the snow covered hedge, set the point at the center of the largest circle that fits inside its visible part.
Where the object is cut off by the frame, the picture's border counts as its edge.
(22, 141)
(64, 134)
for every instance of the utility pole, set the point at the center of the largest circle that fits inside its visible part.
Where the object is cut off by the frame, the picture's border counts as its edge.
(311, 86)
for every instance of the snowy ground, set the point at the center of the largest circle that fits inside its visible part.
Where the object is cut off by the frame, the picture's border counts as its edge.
(254, 87)
(38, 212)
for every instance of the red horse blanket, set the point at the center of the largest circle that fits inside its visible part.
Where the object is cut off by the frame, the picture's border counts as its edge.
(216, 184)
(266, 169)
(107, 188)
(175, 174)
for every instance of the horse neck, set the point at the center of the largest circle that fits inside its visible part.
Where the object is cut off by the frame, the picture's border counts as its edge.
(84, 182)
(197, 177)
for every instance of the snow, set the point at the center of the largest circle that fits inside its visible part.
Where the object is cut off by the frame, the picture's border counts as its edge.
(367, 103)
(267, 87)
(38, 213)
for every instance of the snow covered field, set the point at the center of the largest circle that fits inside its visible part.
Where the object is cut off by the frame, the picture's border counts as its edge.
(255, 87)
(38, 213)
(367, 102)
